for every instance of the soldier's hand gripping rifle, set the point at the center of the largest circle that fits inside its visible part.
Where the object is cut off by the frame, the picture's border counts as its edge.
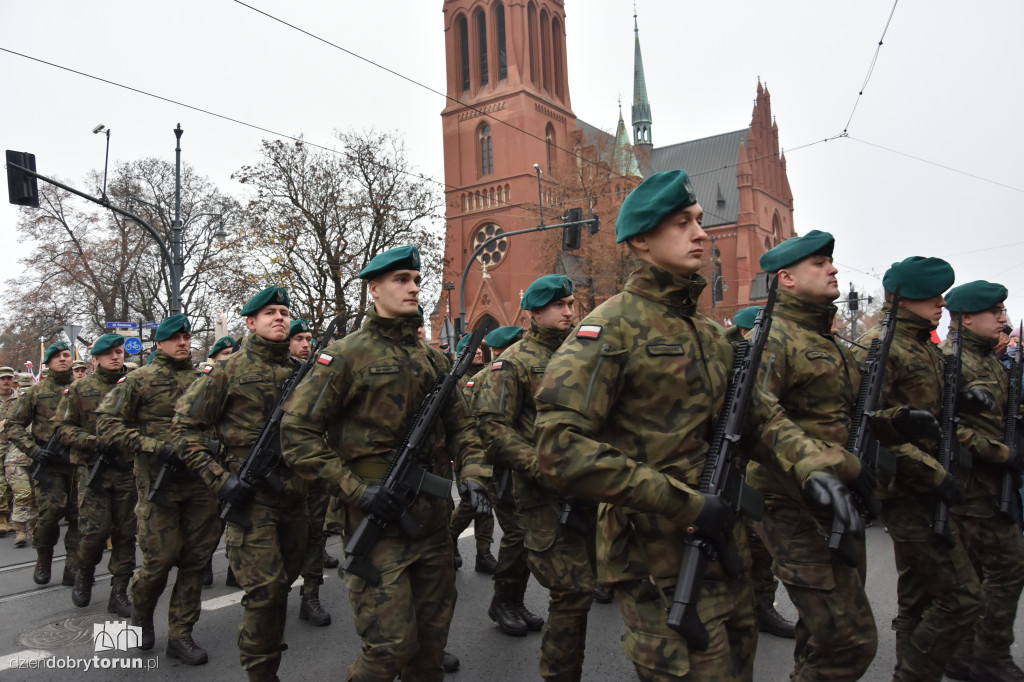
(106, 457)
(1009, 499)
(406, 477)
(721, 477)
(949, 446)
(264, 456)
(51, 453)
(862, 443)
(170, 466)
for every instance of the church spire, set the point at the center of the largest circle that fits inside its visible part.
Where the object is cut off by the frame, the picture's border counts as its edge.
(625, 160)
(641, 105)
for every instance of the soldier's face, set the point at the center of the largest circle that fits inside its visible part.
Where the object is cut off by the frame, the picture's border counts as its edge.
(397, 293)
(928, 308)
(301, 344)
(478, 356)
(61, 362)
(6, 385)
(812, 279)
(222, 354)
(112, 360)
(178, 346)
(676, 244)
(78, 372)
(557, 314)
(272, 322)
(988, 323)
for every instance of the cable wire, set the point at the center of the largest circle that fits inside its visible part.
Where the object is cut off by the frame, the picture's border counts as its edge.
(871, 67)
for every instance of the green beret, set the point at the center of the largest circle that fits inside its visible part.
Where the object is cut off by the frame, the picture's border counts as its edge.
(171, 326)
(106, 342)
(56, 348)
(504, 336)
(545, 290)
(652, 201)
(745, 318)
(6, 371)
(463, 342)
(919, 278)
(399, 258)
(794, 249)
(223, 343)
(299, 326)
(274, 295)
(975, 296)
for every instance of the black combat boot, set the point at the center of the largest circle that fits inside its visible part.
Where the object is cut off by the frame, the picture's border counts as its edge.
(458, 556)
(70, 573)
(1002, 670)
(186, 650)
(959, 669)
(208, 573)
(533, 622)
(771, 621)
(119, 603)
(310, 609)
(450, 662)
(485, 562)
(82, 594)
(330, 561)
(505, 613)
(144, 620)
(44, 557)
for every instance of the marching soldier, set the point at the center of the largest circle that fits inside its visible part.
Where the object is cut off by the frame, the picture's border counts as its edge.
(179, 526)
(625, 411)
(57, 497)
(345, 423)
(992, 539)
(7, 397)
(79, 369)
(108, 512)
(937, 591)
(233, 398)
(17, 463)
(224, 346)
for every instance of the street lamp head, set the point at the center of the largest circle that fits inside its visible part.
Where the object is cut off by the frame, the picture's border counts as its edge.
(536, 167)
(221, 234)
(98, 129)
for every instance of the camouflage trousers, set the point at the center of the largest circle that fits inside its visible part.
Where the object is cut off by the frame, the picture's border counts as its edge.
(108, 513)
(512, 572)
(57, 499)
(938, 594)
(403, 621)
(483, 528)
(566, 566)
(185, 536)
(996, 549)
(317, 502)
(836, 636)
(659, 654)
(266, 559)
(6, 498)
(766, 585)
(23, 507)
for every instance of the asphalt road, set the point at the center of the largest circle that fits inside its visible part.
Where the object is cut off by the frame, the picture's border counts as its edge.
(39, 626)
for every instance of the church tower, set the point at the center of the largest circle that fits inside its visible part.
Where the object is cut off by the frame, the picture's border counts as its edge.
(508, 109)
(641, 105)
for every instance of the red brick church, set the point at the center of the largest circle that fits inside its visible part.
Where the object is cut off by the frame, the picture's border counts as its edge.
(509, 109)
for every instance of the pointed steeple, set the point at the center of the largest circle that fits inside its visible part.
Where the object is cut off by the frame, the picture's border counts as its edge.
(641, 105)
(625, 160)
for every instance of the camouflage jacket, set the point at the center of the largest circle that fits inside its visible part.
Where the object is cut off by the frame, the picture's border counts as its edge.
(626, 410)
(506, 413)
(135, 417)
(232, 397)
(814, 377)
(982, 432)
(76, 414)
(7, 404)
(348, 418)
(913, 377)
(37, 409)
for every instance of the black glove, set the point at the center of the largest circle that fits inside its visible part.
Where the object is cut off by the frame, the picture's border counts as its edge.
(916, 424)
(379, 502)
(976, 400)
(826, 490)
(714, 521)
(167, 455)
(477, 495)
(951, 492)
(236, 492)
(42, 456)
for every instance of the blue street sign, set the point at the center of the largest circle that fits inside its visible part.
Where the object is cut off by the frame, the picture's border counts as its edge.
(123, 325)
(150, 325)
(133, 345)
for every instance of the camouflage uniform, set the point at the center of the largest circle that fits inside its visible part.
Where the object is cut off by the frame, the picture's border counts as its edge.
(57, 499)
(344, 423)
(937, 592)
(16, 470)
(483, 528)
(317, 501)
(992, 540)
(111, 512)
(816, 381)
(135, 419)
(625, 410)
(562, 560)
(234, 397)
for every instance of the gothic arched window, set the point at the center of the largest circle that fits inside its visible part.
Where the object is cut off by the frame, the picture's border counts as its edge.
(531, 22)
(481, 25)
(486, 151)
(549, 144)
(499, 23)
(545, 50)
(462, 32)
(556, 41)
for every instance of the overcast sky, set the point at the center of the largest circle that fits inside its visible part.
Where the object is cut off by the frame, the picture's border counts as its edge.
(946, 88)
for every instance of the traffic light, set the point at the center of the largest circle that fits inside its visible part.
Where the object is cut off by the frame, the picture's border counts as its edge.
(853, 303)
(595, 224)
(21, 187)
(571, 240)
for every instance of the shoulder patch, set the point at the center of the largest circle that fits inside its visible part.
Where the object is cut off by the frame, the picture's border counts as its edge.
(250, 379)
(818, 355)
(497, 365)
(325, 359)
(120, 381)
(588, 331)
(538, 369)
(66, 391)
(470, 384)
(207, 369)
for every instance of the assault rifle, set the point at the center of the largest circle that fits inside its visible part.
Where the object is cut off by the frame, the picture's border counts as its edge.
(1009, 501)
(949, 446)
(862, 443)
(156, 491)
(264, 456)
(572, 516)
(721, 477)
(106, 457)
(406, 477)
(53, 449)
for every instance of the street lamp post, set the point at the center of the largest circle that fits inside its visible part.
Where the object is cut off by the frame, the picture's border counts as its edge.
(178, 264)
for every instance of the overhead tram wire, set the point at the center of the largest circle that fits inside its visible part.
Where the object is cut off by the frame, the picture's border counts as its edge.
(871, 67)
